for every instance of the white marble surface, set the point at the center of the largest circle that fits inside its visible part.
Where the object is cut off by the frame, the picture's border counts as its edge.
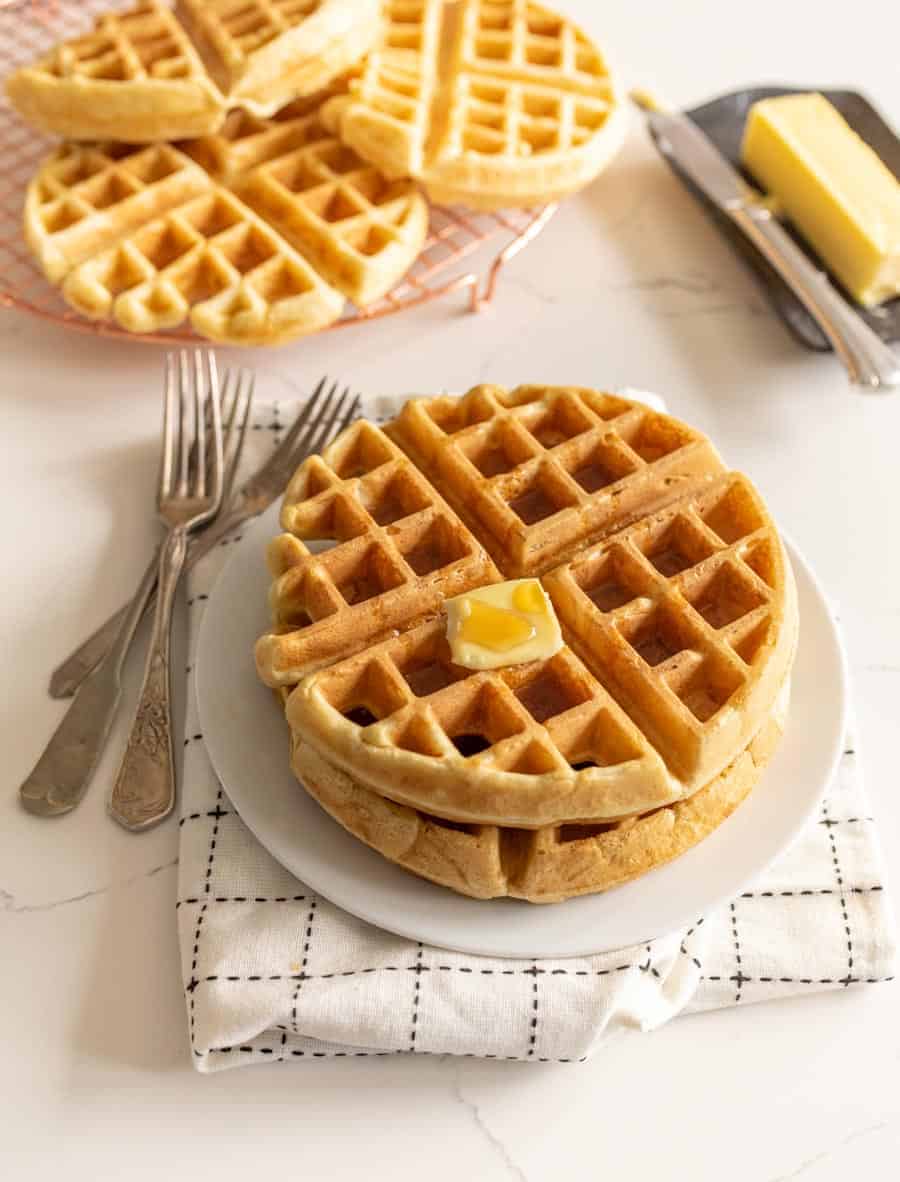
(630, 285)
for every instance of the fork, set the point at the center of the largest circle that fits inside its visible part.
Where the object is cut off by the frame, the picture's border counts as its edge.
(61, 776)
(316, 423)
(189, 496)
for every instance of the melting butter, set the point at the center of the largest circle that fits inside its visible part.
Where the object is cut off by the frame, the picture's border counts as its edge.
(494, 628)
(529, 597)
(502, 624)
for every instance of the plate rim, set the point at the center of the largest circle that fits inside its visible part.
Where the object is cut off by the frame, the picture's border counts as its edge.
(357, 903)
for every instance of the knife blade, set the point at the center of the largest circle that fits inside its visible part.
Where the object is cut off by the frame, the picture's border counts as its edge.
(693, 150)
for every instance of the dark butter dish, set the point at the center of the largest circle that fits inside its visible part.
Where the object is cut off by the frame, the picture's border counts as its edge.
(723, 120)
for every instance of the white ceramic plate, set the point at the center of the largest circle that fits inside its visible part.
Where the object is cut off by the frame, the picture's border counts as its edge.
(247, 741)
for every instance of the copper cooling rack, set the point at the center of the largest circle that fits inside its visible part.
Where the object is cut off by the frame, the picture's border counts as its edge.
(464, 250)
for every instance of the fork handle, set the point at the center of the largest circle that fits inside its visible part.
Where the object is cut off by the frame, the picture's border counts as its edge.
(144, 790)
(69, 675)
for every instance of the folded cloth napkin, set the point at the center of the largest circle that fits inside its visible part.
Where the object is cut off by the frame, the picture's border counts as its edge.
(271, 971)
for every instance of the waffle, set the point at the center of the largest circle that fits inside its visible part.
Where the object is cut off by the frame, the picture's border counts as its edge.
(135, 76)
(145, 75)
(545, 865)
(398, 551)
(264, 53)
(359, 230)
(538, 472)
(256, 234)
(490, 103)
(679, 622)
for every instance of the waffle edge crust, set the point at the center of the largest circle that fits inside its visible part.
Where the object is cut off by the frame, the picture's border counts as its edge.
(544, 865)
(676, 600)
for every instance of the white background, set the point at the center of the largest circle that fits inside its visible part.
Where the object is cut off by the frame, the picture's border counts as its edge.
(629, 285)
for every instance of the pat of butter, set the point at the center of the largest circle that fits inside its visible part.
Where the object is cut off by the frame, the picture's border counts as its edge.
(838, 193)
(502, 624)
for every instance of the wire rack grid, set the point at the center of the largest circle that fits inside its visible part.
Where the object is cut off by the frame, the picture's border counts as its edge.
(464, 250)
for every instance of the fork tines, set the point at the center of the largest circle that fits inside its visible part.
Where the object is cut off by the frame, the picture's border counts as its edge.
(191, 427)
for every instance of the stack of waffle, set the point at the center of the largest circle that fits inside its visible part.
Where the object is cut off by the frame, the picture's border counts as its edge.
(560, 776)
(249, 165)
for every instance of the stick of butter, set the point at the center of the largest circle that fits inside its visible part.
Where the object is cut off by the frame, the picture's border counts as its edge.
(838, 193)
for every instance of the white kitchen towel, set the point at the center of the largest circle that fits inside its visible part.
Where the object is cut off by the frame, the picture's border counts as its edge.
(271, 971)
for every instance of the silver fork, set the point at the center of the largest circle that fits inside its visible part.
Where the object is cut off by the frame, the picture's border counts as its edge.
(189, 496)
(320, 418)
(61, 775)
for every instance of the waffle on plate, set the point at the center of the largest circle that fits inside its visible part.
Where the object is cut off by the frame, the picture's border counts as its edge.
(676, 601)
(543, 865)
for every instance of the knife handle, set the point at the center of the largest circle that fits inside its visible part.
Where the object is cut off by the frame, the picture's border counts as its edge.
(61, 775)
(867, 359)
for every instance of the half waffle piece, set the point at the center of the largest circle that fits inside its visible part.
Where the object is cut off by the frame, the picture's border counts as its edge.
(136, 76)
(263, 54)
(256, 234)
(544, 865)
(149, 73)
(490, 103)
(680, 623)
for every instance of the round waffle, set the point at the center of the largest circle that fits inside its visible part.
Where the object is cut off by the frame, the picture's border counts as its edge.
(676, 600)
(255, 234)
(490, 103)
(151, 74)
(544, 865)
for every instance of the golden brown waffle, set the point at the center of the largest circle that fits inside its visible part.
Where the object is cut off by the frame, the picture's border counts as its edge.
(138, 77)
(259, 242)
(359, 230)
(538, 471)
(524, 745)
(679, 626)
(488, 102)
(135, 76)
(544, 865)
(83, 198)
(397, 550)
(387, 115)
(264, 53)
(688, 618)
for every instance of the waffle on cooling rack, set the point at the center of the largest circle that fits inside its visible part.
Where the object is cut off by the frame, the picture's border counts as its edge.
(487, 102)
(264, 53)
(255, 234)
(676, 602)
(149, 73)
(312, 144)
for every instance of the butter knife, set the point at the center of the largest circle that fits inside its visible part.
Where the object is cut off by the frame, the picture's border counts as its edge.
(59, 779)
(868, 360)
